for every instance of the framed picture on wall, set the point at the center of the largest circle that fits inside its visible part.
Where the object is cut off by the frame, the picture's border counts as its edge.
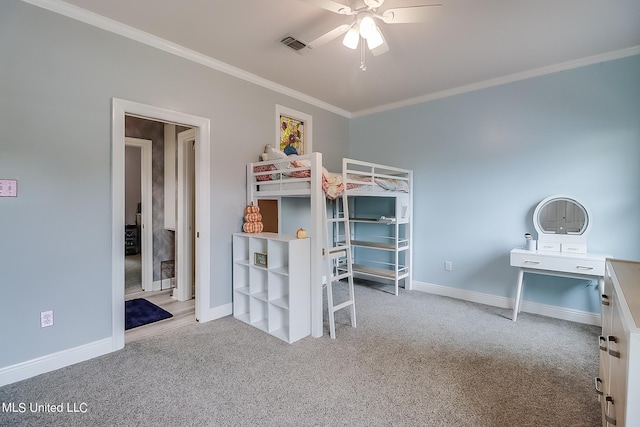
(293, 131)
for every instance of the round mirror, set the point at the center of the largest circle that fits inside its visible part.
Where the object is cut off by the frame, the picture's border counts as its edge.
(561, 215)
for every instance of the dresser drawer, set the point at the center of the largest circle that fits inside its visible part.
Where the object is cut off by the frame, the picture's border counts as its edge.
(576, 248)
(549, 246)
(558, 263)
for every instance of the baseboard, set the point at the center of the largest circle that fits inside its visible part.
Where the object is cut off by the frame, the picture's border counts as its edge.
(61, 359)
(216, 313)
(563, 313)
(51, 362)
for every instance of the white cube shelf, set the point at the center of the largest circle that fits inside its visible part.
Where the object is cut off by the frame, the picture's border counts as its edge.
(274, 297)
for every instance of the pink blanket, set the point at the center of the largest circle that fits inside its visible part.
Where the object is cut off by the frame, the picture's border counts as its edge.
(332, 184)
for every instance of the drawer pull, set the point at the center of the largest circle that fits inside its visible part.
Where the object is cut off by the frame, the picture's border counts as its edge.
(605, 299)
(603, 343)
(584, 267)
(608, 418)
(598, 386)
(531, 262)
(612, 352)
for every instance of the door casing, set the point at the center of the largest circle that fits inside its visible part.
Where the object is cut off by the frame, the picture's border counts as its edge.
(121, 108)
(184, 218)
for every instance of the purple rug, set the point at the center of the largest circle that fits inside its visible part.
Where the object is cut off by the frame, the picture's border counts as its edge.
(139, 311)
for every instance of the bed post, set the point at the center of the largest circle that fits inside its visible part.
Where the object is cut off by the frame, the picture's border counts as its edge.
(316, 245)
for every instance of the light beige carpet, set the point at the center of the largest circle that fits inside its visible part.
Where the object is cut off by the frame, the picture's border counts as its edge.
(414, 360)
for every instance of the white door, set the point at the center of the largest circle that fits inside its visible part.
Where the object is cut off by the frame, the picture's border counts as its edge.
(185, 217)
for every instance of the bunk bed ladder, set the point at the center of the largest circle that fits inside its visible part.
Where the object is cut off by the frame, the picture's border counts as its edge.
(338, 261)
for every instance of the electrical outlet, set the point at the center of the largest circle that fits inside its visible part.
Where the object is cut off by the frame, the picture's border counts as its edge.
(46, 319)
(448, 265)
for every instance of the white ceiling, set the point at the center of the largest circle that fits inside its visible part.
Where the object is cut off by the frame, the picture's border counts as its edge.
(465, 43)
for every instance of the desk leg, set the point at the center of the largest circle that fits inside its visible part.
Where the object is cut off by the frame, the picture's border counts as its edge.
(517, 302)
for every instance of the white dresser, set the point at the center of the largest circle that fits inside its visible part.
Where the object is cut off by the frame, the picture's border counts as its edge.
(618, 385)
(564, 264)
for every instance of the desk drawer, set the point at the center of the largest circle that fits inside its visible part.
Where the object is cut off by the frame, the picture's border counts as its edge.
(567, 265)
(549, 246)
(575, 248)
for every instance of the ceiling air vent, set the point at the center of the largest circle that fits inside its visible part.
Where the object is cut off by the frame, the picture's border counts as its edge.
(294, 44)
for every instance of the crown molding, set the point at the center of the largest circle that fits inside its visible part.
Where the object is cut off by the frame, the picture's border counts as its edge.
(563, 66)
(91, 18)
(99, 21)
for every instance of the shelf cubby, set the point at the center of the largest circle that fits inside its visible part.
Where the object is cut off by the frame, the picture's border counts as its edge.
(257, 280)
(258, 312)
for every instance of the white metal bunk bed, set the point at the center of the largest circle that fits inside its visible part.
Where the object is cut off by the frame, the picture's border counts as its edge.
(304, 176)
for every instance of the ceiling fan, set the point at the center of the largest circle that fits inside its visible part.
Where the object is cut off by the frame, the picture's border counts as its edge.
(366, 13)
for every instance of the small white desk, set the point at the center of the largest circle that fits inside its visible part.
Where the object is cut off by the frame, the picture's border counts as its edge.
(563, 264)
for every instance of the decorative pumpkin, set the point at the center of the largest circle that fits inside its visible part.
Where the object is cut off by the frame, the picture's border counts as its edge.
(301, 233)
(253, 227)
(252, 208)
(253, 217)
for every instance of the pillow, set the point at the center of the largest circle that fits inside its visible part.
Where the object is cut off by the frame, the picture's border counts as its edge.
(265, 168)
(301, 164)
(393, 184)
(272, 155)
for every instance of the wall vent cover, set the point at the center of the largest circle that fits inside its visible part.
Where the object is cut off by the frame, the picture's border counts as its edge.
(293, 43)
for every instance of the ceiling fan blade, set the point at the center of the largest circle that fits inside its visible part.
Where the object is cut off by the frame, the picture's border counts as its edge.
(407, 15)
(332, 6)
(327, 37)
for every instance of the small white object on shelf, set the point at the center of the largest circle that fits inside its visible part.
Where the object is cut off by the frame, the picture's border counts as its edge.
(387, 220)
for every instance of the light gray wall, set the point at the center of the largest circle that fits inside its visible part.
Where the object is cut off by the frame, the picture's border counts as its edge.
(57, 80)
(483, 160)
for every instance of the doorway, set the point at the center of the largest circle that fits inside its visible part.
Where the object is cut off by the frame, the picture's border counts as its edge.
(151, 155)
(201, 126)
(138, 215)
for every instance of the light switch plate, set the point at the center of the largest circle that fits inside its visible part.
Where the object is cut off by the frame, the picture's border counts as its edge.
(8, 188)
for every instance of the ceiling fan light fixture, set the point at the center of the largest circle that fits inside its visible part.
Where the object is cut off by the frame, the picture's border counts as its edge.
(352, 38)
(367, 25)
(375, 39)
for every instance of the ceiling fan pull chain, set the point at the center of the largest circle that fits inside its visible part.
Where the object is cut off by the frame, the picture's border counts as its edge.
(363, 65)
